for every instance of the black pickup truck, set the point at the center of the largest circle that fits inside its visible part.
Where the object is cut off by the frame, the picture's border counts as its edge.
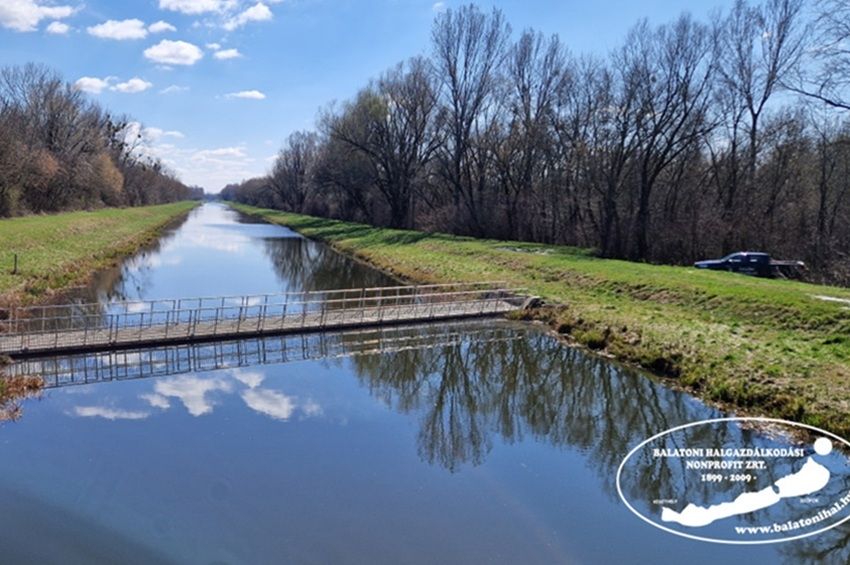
(754, 263)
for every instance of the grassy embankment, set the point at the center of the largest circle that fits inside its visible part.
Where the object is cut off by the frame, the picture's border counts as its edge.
(58, 251)
(768, 346)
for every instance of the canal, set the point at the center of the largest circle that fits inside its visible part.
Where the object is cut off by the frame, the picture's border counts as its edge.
(473, 442)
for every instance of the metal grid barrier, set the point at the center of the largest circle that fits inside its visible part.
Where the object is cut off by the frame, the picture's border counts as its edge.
(88, 368)
(95, 325)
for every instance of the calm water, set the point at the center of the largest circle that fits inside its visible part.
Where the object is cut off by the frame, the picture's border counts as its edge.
(473, 442)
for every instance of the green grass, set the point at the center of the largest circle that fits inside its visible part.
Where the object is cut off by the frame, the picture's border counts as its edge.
(765, 346)
(62, 250)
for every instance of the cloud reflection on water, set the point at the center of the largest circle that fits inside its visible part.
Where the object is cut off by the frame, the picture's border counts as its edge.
(197, 394)
(109, 413)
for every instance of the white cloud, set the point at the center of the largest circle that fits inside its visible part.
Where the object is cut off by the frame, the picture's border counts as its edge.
(156, 400)
(25, 15)
(227, 54)
(155, 134)
(269, 402)
(58, 28)
(109, 413)
(120, 30)
(214, 46)
(161, 26)
(223, 152)
(438, 7)
(92, 85)
(192, 392)
(251, 379)
(96, 85)
(196, 6)
(257, 13)
(312, 408)
(132, 86)
(214, 167)
(211, 168)
(174, 89)
(174, 53)
(249, 94)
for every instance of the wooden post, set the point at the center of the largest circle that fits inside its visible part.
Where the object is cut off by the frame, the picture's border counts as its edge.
(15, 268)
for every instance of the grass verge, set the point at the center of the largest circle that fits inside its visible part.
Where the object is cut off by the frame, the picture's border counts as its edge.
(62, 250)
(773, 347)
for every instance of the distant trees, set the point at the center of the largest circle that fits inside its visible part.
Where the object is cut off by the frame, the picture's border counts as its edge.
(692, 139)
(290, 176)
(59, 150)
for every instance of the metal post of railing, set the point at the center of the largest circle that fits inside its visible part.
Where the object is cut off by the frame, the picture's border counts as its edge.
(340, 312)
(239, 318)
(261, 323)
(217, 315)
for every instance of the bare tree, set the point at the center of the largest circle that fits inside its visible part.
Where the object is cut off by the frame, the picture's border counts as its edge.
(673, 70)
(290, 175)
(826, 75)
(536, 75)
(391, 123)
(758, 48)
(677, 145)
(469, 47)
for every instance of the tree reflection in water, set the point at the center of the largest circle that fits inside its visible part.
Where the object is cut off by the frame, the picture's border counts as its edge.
(303, 264)
(471, 392)
(477, 383)
(534, 387)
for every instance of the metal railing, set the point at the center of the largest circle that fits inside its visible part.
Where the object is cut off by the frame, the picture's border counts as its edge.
(69, 370)
(96, 324)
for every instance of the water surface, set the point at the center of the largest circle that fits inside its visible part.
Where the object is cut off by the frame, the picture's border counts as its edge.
(472, 442)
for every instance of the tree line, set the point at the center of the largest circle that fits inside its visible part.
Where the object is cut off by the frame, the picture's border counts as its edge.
(692, 139)
(59, 150)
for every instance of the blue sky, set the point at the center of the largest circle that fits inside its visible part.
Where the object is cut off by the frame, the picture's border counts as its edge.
(219, 84)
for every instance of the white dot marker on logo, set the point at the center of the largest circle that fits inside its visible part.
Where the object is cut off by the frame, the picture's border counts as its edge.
(823, 446)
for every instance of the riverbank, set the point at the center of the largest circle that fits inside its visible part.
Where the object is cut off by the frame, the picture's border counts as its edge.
(59, 251)
(777, 348)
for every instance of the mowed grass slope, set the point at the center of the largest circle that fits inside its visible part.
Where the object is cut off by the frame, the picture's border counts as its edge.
(772, 347)
(60, 250)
